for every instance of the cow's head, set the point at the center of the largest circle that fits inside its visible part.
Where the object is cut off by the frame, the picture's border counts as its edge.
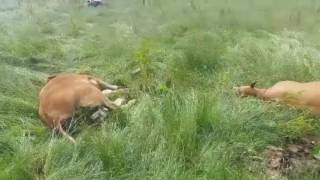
(244, 91)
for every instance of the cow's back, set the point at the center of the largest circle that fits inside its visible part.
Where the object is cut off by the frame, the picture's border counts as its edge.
(296, 92)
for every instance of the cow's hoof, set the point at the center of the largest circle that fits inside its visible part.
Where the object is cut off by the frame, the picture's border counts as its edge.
(100, 114)
(119, 102)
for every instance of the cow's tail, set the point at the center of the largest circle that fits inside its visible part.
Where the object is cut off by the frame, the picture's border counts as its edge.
(65, 134)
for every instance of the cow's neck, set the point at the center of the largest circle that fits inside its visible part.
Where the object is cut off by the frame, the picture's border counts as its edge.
(261, 93)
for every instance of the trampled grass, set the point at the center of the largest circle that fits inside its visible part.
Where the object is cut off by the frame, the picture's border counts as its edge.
(187, 123)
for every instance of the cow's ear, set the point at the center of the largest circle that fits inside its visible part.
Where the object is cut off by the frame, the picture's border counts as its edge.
(52, 76)
(252, 85)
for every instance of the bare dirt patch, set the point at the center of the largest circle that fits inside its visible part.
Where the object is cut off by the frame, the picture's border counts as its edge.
(294, 157)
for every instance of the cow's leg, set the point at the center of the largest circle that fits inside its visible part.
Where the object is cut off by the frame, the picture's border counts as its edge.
(109, 104)
(119, 101)
(106, 85)
(129, 104)
(112, 87)
(116, 93)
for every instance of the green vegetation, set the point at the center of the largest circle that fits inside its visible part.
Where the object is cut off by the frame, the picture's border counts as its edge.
(187, 124)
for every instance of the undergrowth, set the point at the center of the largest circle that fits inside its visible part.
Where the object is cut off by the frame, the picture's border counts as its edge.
(187, 123)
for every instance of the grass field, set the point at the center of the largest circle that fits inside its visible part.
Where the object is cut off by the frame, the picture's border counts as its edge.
(187, 123)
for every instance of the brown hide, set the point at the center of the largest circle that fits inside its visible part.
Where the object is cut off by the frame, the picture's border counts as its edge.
(64, 93)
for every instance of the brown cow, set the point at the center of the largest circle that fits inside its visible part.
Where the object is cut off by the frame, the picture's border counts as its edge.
(298, 94)
(66, 92)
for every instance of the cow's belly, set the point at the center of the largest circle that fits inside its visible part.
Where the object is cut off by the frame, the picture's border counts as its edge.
(298, 96)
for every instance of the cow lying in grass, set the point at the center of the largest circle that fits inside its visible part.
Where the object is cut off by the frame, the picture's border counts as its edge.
(301, 95)
(66, 92)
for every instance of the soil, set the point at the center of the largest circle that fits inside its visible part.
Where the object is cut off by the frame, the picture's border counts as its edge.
(293, 157)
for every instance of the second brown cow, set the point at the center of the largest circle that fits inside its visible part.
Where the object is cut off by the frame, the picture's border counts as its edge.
(66, 92)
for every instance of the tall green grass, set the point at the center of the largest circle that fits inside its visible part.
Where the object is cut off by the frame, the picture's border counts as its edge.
(187, 123)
